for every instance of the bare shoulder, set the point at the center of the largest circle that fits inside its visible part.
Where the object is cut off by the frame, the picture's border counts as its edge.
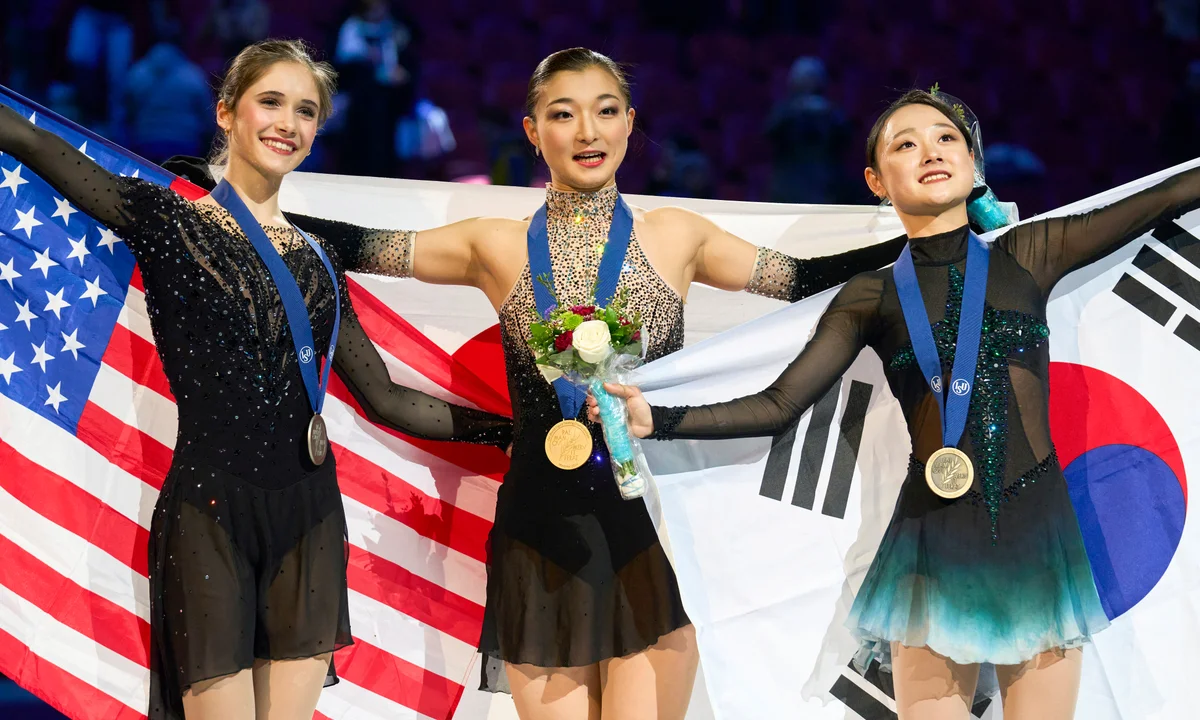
(675, 216)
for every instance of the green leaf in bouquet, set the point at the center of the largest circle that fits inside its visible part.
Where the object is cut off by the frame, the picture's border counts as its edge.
(541, 333)
(633, 348)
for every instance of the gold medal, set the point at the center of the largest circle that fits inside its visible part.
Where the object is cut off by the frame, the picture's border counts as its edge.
(568, 444)
(949, 473)
(318, 440)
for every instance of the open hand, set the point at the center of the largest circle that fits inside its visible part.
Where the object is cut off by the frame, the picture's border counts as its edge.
(641, 424)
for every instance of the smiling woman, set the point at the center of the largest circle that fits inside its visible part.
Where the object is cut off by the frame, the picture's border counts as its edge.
(247, 562)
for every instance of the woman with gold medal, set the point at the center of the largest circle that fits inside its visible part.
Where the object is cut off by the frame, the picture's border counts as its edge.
(583, 616)
(983, 560)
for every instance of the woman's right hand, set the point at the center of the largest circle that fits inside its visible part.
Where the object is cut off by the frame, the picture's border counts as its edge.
(641, 423)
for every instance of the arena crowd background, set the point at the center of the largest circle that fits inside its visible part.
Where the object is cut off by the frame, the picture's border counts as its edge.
(762, 100)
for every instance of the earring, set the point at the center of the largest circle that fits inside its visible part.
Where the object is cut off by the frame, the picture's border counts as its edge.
(537, 151)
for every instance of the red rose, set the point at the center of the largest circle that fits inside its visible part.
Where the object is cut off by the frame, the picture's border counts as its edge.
(562, 342)
(636, 336)
(584, 310)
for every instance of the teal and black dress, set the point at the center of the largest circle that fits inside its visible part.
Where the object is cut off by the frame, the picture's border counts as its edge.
(1000, 574)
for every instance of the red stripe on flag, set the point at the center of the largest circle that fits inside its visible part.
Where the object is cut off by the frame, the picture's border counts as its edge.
(482, 460)
(73, 509)
(135, 358)
(398, 680)
(396, 335)
(435, 519)
(59, 688)
(128, 448)
(78, 608)
(135, 281)
(187, 189)
(413, 595)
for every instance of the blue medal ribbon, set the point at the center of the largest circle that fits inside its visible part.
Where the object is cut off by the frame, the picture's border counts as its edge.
(289, 292)
(620, 231)
(952, 407)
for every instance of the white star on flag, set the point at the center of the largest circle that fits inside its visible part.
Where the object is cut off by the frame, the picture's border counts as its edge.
(79, 249)
(25, 315)
(55, 303)
(64, 210)
(56, 398)
(7, 273)
(93, 291)
(71, 344)
(108, 239)
(12, 180)
(43, 262)
(8, 367)
(40, 356)
(3, 326)
(27, 222)
(83, 149)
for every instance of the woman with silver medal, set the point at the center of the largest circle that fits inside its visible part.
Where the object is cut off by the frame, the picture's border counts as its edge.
(983, 562)
(247, 556)
(583, 614)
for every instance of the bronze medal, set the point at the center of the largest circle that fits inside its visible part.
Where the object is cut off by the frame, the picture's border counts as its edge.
(318, 440)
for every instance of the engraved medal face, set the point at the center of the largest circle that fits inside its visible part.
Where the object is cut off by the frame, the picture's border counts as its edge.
(318, 440)
(568, 444)
(949, 473)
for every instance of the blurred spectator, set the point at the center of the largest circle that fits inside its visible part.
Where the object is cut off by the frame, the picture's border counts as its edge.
(234, 24)
(99, 50)
(167, 101)
(375, 57)
(683, 170)
(809, 138)
(1181, 18)
(1180, 137)
(510, 157)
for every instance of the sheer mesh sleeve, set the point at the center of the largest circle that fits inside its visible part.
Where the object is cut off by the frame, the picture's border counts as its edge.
(784, 277)
(1049, 249)
(410, 411)
(81, 181)
(844, 330)
(377, 252)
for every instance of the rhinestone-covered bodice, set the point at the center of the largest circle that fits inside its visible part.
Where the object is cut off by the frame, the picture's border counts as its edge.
(577, 229)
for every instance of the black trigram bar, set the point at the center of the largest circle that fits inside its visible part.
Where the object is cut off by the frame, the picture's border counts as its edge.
(776, 471)
(812, 452)
(846, 454)
(1170, 275)
(867, 707)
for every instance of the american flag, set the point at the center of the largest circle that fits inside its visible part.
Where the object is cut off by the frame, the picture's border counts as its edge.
(87, 427)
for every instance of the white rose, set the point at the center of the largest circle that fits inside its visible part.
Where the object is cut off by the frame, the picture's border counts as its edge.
(550, 372)
(592, 341)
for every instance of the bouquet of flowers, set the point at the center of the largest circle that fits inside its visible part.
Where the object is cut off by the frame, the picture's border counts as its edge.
(589, 345)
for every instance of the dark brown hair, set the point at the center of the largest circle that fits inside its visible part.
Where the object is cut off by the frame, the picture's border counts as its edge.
(256, 60)
(574, 60)
(914, 97)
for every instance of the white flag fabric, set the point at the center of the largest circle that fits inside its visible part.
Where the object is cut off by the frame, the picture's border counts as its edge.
(771, 537)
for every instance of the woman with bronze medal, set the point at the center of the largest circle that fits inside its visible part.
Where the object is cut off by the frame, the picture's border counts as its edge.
(983, 560)
(583, 616)
(247, 570)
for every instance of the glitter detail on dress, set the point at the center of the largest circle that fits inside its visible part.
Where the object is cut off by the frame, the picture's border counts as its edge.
(1004, 333)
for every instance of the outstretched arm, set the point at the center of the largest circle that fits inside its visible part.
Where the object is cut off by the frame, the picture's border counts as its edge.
(1049, 249)
(730, 263)
(412, 412)
(444, 255)
(842, 332)
(81, 181)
